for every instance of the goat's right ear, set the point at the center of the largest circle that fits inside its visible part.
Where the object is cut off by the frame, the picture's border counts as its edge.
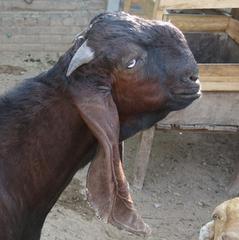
(107, 186)
(82, 56)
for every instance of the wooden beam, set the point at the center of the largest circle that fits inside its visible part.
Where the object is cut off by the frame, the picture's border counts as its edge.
(219, 77)
(142, 157)
(155, 10)
(233, 29)
(220, 86)
(127, 5)
(235, 13)
(219, 70)
(219, 80)
(198, 4)
(213, 108)
(198, 127)
(199, 23)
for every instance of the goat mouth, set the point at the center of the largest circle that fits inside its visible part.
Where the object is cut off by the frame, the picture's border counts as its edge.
(192, 93)
(188, 96)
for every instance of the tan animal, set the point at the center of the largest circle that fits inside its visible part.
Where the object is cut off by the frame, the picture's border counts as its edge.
(225, 223)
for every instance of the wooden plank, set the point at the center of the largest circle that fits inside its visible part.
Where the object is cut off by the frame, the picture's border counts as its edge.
(233, 29)
(160, 15)
(199, 23)
(219, 70)
(219, 77)
(142, 157)
(196, 4)
(197, 127)
(220, 86)
(155, 10)
(127, 5)
(148, 8)
(235, 13)
(216, 79)
(213, 108)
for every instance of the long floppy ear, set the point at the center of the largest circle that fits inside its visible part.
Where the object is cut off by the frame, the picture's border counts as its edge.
(107, 186)
(82, 56)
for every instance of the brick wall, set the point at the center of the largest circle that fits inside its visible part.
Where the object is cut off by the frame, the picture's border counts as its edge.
(44, 25)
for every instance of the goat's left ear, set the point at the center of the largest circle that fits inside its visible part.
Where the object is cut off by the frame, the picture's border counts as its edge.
(107, 187)
(83, 55)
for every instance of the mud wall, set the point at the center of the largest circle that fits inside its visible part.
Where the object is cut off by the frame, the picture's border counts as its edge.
(44, 25)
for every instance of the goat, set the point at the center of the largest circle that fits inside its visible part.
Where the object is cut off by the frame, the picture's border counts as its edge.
(122, 75)
(225, 223)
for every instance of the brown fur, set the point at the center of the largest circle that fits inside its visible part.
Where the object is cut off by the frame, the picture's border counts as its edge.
(52, 125)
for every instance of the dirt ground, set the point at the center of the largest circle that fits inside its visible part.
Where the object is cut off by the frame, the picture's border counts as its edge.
(186, 178)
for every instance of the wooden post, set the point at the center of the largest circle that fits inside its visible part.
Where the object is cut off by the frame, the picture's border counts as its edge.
(235, 13)
(127, 5)
(155, 10)
(142, 157)
(233, 29)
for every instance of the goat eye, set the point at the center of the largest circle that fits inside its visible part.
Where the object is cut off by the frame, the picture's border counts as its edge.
(216, 217)
(131, 63)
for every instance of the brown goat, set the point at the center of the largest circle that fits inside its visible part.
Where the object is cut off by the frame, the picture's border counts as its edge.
(122, 75)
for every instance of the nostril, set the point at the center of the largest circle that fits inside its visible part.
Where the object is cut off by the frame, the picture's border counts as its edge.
(194, 77)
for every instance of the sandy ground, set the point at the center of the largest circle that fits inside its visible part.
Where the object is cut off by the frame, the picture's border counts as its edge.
(186, 178)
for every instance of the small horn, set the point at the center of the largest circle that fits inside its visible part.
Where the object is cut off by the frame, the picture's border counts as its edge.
(82, 56)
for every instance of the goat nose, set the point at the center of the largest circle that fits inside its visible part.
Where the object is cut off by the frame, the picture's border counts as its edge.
(194, 77)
